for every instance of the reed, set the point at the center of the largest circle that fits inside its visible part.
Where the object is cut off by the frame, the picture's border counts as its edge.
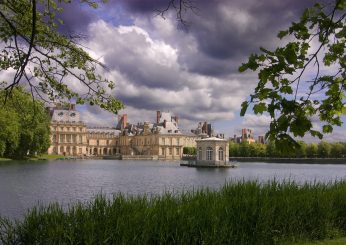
(238, 213)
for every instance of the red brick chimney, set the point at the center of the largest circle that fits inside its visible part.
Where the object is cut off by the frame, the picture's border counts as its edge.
(124, 120)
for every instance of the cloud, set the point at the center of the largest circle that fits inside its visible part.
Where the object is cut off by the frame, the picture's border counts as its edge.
(192, 72)
(259, 123)
(149, 76)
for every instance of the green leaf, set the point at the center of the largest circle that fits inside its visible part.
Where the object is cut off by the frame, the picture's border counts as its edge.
(327, 129)
(244, 107)
(343, 110)
(260, 108)
(282, 34)
(243, 67)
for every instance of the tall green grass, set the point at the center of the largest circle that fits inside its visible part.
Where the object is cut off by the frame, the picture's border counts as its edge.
(239, 213)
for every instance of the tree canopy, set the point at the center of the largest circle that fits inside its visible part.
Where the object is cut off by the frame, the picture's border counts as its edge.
(24, 125)
(286, 91)
(45, 59)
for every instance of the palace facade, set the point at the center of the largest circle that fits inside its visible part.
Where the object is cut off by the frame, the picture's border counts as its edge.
(159, 140)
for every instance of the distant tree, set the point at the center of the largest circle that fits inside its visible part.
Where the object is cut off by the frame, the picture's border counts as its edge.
(272, 151)
(261, 150)
(324, 149)
(312, 150)
(189, 150)
(244, 149)
(233, 149)
(337, 149)
(283, 91)
(25, 123)
(9, 131)
(301, 150)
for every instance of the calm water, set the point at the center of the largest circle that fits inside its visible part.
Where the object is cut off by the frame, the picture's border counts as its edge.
(22, 185)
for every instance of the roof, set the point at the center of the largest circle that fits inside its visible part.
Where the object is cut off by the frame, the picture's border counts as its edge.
(212, 139)
(66, 116)
(104, 130)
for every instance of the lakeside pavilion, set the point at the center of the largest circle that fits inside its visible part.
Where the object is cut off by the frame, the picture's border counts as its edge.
(212, 151)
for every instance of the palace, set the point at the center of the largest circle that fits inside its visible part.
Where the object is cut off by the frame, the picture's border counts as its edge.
(159, 140)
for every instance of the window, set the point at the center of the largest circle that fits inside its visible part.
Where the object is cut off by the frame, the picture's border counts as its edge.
(220, 154)
(200, 153)
(163, 141)
(209, 153)
(62, 138)
(177, 150)
(178, 141)
(162, 151)
(170, 150)
(80, 139)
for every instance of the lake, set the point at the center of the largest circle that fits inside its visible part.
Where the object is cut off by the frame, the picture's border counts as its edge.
(23, 185)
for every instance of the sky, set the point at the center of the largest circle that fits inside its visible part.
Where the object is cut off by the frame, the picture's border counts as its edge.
(191, 71)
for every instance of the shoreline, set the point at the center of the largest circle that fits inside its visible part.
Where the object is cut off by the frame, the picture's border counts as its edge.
(290, 160)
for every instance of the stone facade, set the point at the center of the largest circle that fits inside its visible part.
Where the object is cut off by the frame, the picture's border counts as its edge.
(71, 137)
(162, 139)
(212, 151)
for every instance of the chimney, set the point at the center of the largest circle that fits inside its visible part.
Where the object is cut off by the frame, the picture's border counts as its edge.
(204, 128)
(124, 122)
(72, 107)
(158, 116)
(164, 123)
(175, 118)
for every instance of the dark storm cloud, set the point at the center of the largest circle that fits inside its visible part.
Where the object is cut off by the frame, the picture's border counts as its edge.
(227, 30)
(144, 6)
(76, 17)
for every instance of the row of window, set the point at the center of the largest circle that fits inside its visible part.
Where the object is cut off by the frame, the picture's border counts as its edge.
(68, 129)
(68, 138)
(170, 151)
(170, 141)
(151, 141)
(92, 151)
(210, 154)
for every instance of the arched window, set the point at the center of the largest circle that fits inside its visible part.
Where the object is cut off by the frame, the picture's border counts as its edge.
(221, 154)
(200, 153)
(209, 153)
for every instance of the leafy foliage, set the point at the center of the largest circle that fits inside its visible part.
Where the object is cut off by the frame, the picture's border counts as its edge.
(286, 92)
(321, 150)
(189, 150)
(24, 125)
(46, 59)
